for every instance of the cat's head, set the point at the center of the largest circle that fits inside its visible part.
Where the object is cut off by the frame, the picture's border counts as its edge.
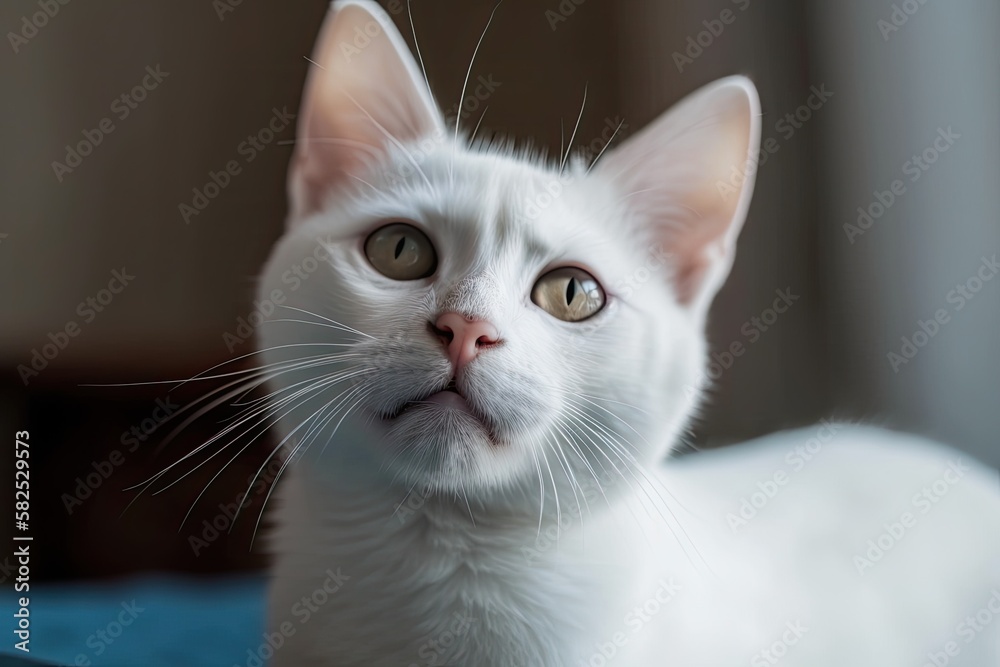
(471, 317)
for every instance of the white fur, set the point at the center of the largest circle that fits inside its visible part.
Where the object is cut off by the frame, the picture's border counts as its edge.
(424, 520)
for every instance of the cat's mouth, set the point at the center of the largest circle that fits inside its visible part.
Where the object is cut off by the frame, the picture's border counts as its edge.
(448, 398)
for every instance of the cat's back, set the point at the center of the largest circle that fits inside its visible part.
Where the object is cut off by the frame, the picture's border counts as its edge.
(832, 482)
(836, 545)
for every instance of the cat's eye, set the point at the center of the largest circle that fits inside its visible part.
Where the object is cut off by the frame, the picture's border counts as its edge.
(401, 252)
(569, 294)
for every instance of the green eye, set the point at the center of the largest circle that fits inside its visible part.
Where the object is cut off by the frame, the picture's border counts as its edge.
(401, 252)
(569, 294)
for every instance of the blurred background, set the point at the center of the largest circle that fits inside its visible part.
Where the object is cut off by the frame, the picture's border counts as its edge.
(876, 216)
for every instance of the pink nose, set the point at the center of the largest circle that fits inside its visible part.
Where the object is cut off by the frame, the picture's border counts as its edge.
(464, 337)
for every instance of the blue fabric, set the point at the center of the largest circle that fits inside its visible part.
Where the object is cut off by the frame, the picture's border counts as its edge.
(165, 622)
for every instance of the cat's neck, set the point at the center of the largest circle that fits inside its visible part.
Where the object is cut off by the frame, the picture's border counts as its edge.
(440, 561)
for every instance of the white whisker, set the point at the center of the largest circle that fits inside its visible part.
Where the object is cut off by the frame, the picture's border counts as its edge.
(468, 73)
(569, 148)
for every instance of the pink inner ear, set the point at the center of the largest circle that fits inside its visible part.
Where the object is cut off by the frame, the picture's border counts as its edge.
(689, 276)
(362, 96)
(670, 172)
(702, 249)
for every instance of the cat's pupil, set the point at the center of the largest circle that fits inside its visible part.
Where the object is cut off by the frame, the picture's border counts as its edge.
(570, 291)
(399, 246)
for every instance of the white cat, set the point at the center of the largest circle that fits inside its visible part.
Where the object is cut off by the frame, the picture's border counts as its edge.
(482, 395)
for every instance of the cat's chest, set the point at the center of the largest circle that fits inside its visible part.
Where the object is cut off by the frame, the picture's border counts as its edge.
(427, 590)
(485, 596)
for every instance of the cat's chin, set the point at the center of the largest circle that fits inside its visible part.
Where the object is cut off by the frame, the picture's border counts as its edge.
(441, 443)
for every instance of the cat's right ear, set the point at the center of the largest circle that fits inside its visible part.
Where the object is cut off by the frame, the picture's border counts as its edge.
(687, 179)
(364, 94)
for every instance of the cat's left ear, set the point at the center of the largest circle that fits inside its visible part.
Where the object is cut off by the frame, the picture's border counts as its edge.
(364, 94)
(687, 179)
